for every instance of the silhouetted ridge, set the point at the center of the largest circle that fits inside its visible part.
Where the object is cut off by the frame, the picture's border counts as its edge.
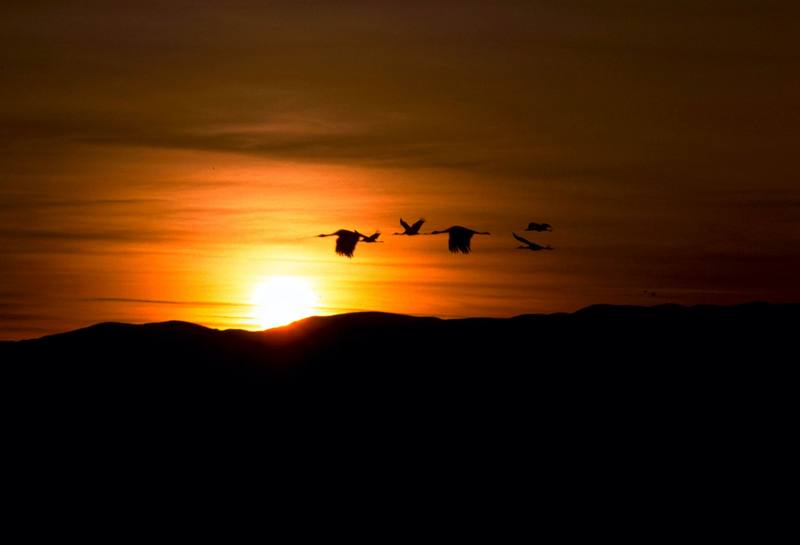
(119, 327)
(358, 319)
(633, 361)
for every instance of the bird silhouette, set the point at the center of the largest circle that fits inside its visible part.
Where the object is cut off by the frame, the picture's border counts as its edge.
(346, 241)
(539, 227)
(411, 230)
(460, 238)
(372, 238)
(530, 245)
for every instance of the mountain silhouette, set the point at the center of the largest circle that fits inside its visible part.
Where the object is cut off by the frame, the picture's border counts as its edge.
(594, 353)
(607, 388)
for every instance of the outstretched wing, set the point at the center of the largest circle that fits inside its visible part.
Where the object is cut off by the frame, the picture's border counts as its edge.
(522, 240)
(417, 224)
(405, 225)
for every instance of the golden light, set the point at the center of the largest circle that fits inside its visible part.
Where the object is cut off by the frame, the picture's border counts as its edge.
(280, 300)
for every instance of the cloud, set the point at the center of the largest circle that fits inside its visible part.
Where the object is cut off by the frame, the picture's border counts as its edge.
(23, 317)
(24, 331)
(163, 302)
(105, 235)
(15, 202)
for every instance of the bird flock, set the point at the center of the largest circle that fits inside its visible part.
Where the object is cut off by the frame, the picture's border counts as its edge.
(459, 238)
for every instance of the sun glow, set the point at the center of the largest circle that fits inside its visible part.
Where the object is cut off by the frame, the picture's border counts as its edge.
(280, 300)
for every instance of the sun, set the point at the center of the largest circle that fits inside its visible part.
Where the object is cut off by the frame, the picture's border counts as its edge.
(280, 300)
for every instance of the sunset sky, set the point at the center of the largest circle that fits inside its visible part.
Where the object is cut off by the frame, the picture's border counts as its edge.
(167, 160)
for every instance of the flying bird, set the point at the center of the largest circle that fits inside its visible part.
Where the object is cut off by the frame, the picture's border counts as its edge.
(539, 227)
(530, 245)
(411, 230)
(346, 241)
(460, 238)
(372, 238)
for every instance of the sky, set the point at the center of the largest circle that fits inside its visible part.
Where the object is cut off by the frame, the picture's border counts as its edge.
(167, 160)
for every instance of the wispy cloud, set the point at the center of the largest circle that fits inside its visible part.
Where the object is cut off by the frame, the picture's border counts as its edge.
(17, 202)
(72, 235)
(163, 302)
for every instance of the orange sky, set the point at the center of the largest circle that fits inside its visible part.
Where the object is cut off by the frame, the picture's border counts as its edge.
(161, 163)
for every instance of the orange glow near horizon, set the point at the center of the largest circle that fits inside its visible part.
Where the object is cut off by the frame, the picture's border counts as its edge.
(210, 244)
(230, 241)
(281, 300)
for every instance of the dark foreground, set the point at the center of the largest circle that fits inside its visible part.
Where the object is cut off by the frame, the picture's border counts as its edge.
(664, 358)
(665, 399)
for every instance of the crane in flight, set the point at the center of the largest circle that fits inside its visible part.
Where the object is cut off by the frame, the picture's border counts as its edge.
(460, 238)
(372, 238)
(539, 227)
(345, 241)
(411, 230)
(530, 245)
